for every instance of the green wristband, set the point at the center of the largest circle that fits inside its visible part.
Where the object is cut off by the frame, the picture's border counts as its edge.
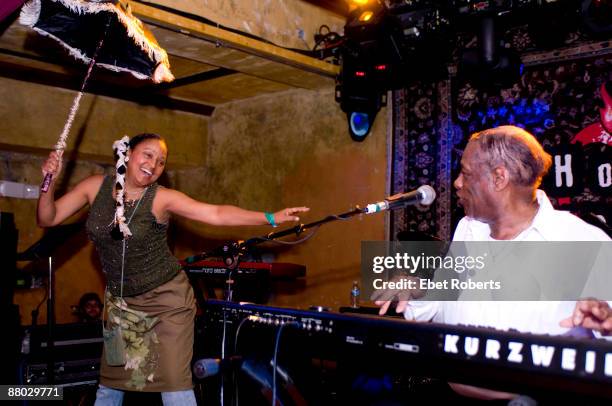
(270, 218)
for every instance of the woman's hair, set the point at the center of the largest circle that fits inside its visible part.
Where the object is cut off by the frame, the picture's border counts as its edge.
(517, 150)
(120, 149)
(137, 139)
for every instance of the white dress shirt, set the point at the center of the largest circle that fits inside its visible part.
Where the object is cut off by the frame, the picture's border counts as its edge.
(540, 317)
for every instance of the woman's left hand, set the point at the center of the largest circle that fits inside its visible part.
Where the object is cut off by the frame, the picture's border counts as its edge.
(289, 214)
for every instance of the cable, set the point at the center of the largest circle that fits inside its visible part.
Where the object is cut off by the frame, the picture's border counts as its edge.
(308, 237)
(223, 353)
(333, 37)
(274, 363)
(44, 297)
(275, 358)
(36, 311)
(234, 353)
(328, 44)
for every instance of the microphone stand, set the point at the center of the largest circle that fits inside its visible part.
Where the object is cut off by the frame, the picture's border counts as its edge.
(232, 254)
(50, 325)
(300, 228)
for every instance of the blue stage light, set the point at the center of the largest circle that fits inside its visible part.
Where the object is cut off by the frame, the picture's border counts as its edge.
(359, 125)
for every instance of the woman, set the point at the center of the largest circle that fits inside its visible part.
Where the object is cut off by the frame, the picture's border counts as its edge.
(149, 301)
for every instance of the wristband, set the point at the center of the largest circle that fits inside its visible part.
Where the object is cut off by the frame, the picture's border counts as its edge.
(270, 218)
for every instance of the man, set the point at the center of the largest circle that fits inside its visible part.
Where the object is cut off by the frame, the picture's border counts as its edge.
(501, 170)
(90, 308)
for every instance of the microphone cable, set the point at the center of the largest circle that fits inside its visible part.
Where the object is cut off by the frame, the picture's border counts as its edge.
(222, 389)
(275, 358)
(315, 229)
(235, 376)
(301, 240)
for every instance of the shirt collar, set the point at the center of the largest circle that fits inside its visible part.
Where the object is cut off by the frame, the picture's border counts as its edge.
(543, 222)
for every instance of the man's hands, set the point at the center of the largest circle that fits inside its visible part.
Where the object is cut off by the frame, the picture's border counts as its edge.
(384, 297)
(592, 314)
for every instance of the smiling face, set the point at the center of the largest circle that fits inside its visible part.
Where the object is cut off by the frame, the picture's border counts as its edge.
(147, 162)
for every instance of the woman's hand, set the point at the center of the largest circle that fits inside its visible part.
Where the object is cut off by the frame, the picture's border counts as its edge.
(53, 165)
(289, 214)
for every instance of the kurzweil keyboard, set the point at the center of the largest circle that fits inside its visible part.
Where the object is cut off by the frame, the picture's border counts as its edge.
(480, 356)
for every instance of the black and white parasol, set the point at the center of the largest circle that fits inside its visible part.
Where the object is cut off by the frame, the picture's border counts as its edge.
(100, 33)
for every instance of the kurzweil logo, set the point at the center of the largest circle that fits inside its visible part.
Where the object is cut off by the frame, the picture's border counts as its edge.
(515, 352)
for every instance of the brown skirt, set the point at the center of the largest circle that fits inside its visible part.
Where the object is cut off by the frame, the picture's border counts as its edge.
(158, 360)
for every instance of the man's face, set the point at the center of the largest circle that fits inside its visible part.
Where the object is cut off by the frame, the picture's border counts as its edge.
(474, 185)
(92, 309)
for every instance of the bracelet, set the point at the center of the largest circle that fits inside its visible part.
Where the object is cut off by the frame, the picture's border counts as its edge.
(270, 218)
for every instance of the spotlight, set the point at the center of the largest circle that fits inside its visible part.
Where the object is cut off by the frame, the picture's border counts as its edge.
(359, 2)
(359, 124)
(361, 92)
(361, 104)
(386, 44)
(366, 16)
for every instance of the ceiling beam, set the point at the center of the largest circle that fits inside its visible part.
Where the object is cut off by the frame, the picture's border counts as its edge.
(196, 78)
(225, 38)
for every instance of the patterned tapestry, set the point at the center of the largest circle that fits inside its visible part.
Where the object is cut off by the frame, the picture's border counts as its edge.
(555, 99)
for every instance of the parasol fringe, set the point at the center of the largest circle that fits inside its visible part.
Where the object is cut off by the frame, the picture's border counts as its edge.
(30, 13)
(134, 28)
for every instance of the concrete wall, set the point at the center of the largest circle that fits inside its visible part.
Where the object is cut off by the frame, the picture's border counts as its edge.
(32, 116)
(265, 153)
(31, 119)
(293, 149)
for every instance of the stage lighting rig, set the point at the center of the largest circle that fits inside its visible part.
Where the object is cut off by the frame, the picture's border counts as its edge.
(361, 85)
(412, 37)
(492, 7)
(490, 64)
(360, 94)
(387, 45)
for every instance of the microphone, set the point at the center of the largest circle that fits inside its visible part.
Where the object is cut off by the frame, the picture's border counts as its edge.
(424, 195)
(205, 367)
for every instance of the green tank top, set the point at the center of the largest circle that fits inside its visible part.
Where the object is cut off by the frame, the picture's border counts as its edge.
(148, 260)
